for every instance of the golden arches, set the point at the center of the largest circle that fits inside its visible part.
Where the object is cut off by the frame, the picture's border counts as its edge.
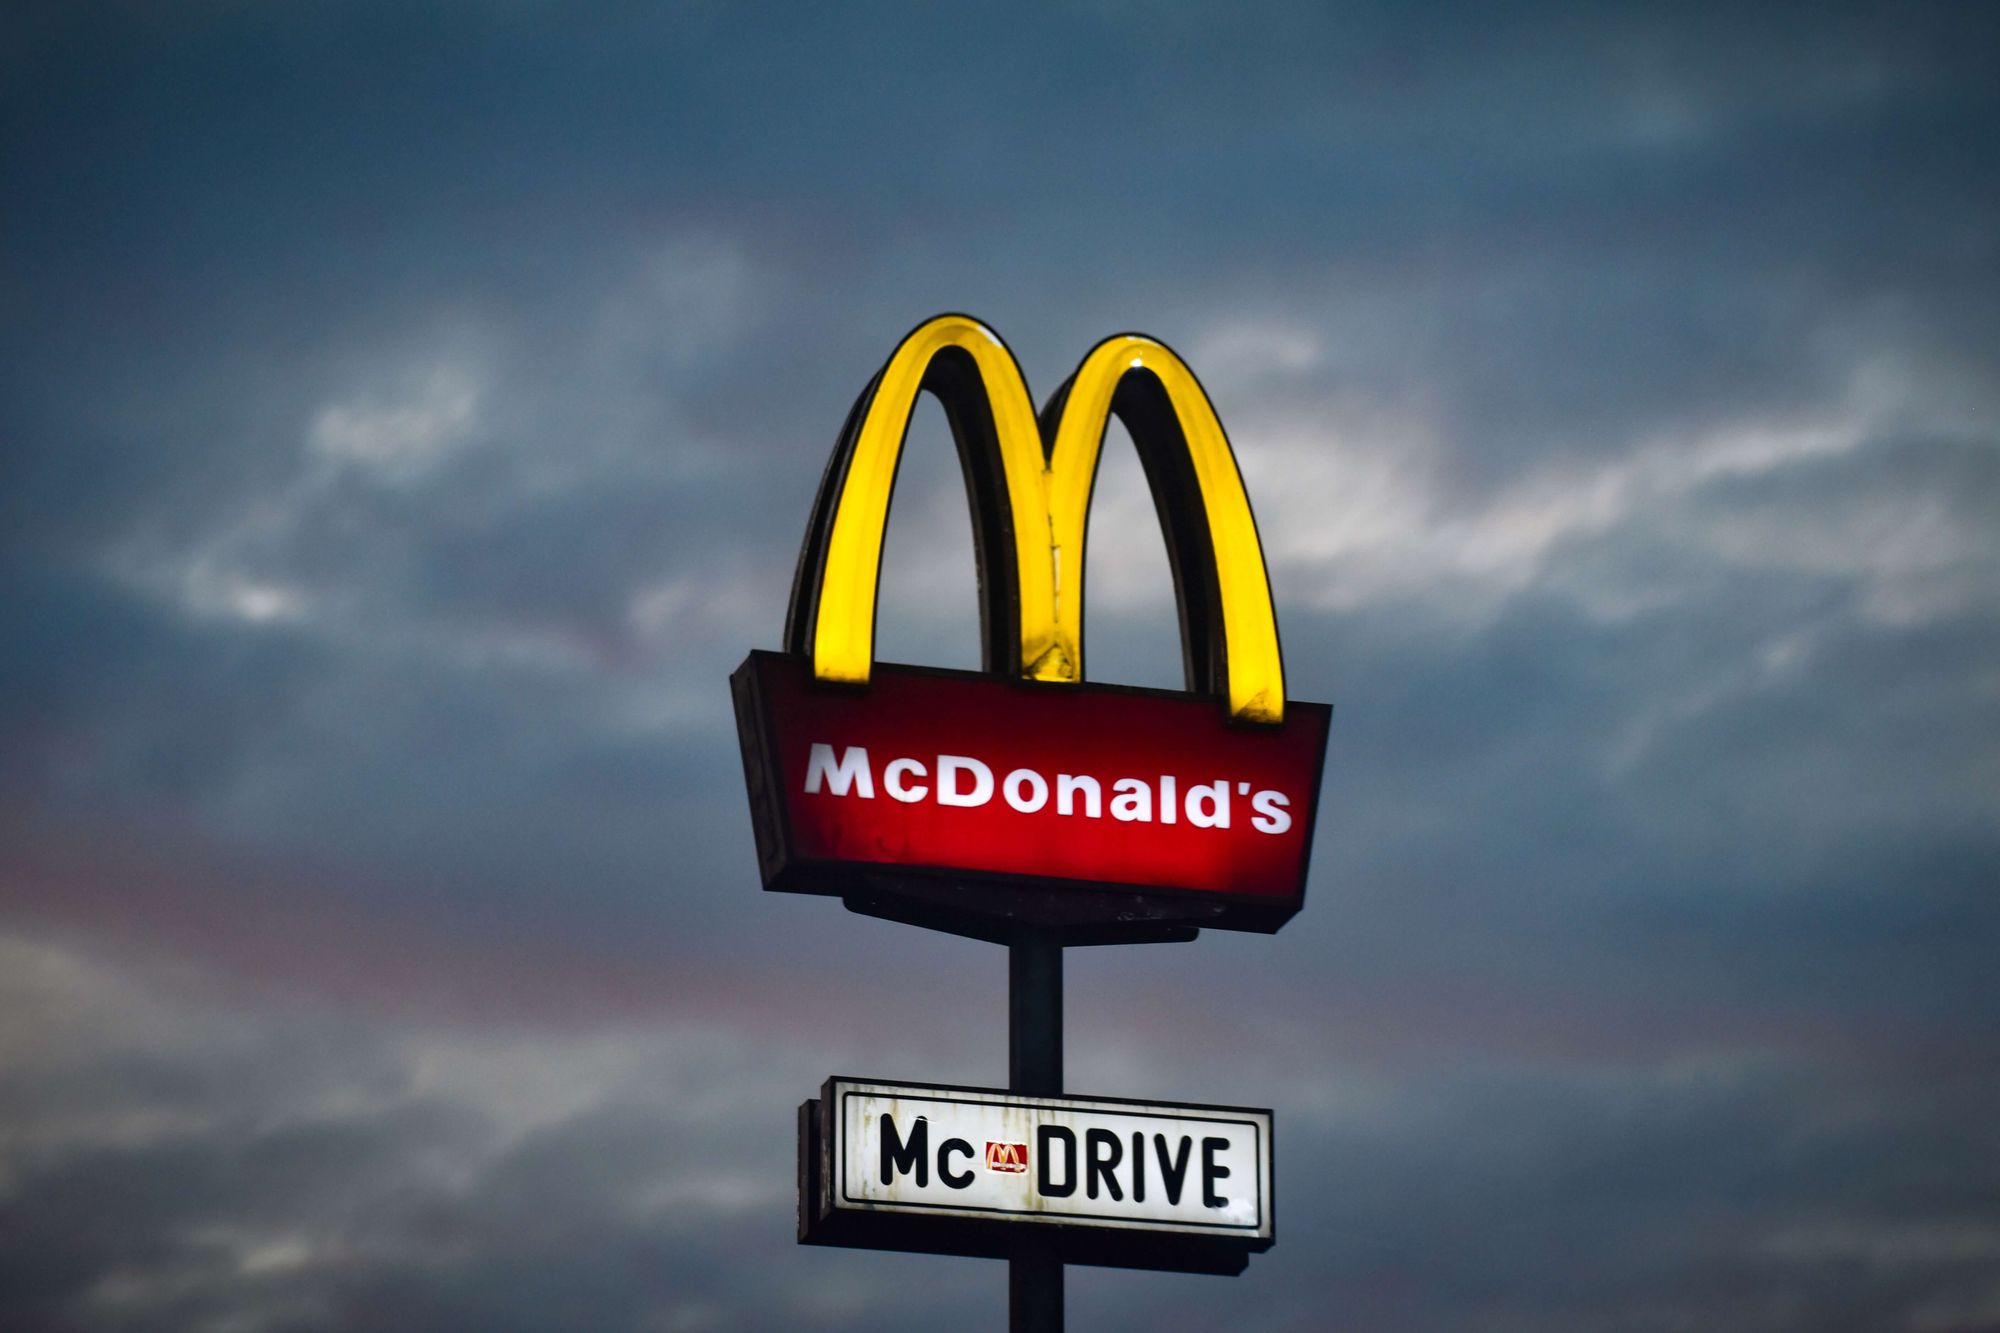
(1030, 485)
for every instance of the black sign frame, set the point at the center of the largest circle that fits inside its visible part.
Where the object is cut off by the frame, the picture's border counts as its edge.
(822, 1222)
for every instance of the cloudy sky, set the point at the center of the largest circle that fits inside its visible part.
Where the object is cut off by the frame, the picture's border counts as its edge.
(408, 419)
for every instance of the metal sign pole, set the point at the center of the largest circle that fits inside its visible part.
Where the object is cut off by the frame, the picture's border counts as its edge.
(1035, 1067)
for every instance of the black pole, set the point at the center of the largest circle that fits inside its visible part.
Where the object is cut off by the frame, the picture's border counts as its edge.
(1035, 1016)
(1034, 1289)
(1035, 1067)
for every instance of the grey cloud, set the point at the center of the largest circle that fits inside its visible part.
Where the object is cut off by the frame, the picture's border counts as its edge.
(361, 1173)
(409, 421)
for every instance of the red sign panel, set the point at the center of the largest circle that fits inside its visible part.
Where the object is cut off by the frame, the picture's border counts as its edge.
(946, 778)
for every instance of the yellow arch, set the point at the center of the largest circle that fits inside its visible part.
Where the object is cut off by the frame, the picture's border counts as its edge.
(1256, 673)
(1048, 488)
(844, 623)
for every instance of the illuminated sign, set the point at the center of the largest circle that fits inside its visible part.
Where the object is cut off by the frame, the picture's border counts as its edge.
(981, 801)
(1089, 789)
(1119, 1182)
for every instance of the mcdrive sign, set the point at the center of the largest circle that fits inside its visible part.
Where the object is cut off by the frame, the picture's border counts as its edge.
(982, 801)
(1132, 1183)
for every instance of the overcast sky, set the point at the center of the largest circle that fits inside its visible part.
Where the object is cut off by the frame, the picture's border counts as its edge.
(410, 415)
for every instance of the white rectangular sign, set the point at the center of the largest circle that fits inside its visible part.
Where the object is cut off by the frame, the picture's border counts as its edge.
(967, 1152)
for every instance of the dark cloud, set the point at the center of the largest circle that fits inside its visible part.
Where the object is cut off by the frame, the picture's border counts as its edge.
(308, 1171)
(409, 418)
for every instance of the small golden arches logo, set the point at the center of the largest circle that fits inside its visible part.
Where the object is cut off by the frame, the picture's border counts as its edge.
(1011, 1158)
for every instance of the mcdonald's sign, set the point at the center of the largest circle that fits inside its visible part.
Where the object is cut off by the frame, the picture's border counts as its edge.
(1023, 795)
